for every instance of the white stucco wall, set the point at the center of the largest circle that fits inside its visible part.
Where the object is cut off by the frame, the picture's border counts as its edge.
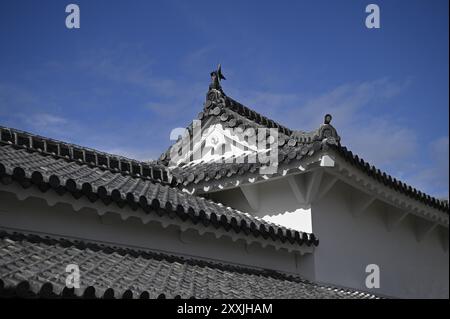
(276, 203)
(348, 243)
(408, 268)
(35, 215)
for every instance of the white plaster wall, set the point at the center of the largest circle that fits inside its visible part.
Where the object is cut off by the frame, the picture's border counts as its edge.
(408, 268)
(35, 215)
(276, 204)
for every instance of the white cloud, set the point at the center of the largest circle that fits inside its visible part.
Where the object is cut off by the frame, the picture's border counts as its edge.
(348, 103)
(127, 64)
(380, 140)
(72, 132)
(13, 97)
(131, 66)
(435, 175)
(44, 120)
(197, 57)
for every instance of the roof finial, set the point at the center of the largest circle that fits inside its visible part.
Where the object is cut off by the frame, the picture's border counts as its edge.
(216, 77)
(327, 119)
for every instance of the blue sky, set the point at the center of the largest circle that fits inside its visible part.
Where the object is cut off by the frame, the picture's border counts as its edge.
(137, 69)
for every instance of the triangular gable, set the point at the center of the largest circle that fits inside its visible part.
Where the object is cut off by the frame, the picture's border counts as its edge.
(293, 147)
(239, 130)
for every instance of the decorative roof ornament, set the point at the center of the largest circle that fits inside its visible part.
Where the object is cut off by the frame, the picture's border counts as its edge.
(215, 95)
(327, 133)
(216, 77)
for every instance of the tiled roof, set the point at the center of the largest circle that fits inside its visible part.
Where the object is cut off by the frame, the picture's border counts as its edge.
(390, 181)
(293, 146)
(204, 172)
(29, 165)
(231, 114)
(35, 266)
(84, 155)
(234, 114)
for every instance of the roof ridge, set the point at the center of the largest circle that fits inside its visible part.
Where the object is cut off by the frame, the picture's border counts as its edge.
(84, 155)
(256, 117)
(219, 108)
(293, 145)
(216, 97)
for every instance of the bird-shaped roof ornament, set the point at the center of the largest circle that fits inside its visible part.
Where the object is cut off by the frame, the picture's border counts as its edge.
(216, 77)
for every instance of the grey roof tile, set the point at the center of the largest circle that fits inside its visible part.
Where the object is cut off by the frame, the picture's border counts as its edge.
(117, 271)
(27, 166)
(292, 146)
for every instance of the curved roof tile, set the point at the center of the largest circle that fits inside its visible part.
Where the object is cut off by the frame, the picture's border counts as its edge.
(29, 166)
(139, 274)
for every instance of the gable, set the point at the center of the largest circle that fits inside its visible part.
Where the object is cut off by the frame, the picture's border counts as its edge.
(293, 148)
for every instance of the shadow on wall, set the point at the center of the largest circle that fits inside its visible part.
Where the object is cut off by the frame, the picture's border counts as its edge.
(273, 201)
